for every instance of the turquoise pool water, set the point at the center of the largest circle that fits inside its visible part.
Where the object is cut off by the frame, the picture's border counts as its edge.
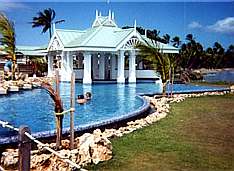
(35, 108)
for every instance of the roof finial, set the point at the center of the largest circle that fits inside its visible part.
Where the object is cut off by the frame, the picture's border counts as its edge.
(135, 26)
(113, 16)
(96, 13)
(109, 15)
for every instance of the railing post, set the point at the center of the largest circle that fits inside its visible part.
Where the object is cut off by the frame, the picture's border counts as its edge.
(72, 102)
(57, 81)
(59, 118)
(24, 149)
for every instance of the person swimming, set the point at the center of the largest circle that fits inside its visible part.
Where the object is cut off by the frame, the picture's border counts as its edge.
(81, 99)
(88, 96)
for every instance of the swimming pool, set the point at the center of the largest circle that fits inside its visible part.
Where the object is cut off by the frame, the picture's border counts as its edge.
(109, 102)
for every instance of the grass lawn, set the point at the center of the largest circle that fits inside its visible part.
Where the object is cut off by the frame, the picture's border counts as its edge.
(198, 134)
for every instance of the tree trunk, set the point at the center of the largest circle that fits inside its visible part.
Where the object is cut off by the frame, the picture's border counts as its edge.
(13, 66)
(59, 132)
(172, 80)
(50, 32)
(164, 89)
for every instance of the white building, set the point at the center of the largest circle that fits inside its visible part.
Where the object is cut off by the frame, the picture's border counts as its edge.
(102, 52)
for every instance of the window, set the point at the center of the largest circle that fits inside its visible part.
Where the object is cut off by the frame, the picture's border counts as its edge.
(78, 61)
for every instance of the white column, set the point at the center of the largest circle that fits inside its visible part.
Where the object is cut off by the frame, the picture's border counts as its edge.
(132, 67)
(63, 62)
(120, 78)
(102, 66)
(113, 66)
(50, 66)
(69, 62)
(65, 68)
(68, 56)
(87, 68)
(95, 66)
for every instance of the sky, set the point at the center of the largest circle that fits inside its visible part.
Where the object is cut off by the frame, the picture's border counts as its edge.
(208, 21)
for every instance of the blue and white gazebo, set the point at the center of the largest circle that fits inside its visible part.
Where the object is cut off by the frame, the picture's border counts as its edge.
(100, 52)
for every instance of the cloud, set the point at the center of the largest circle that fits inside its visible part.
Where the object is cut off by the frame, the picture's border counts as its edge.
(225, 25)
(6, 5)
(194, 25)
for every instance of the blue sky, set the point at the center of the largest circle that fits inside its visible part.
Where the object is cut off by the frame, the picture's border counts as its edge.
(207, 21)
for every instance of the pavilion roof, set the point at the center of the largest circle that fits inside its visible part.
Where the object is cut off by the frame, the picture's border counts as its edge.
(104, 34)
(94, 37)
(166, 48)
(29, 50)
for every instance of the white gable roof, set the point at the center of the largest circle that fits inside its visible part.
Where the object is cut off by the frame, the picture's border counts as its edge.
(103, 35)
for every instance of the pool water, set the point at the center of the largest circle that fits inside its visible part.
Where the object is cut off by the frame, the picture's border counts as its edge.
(35, 108)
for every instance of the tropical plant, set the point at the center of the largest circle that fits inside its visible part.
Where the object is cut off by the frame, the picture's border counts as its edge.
(58, 108)
(159, 62)
(191, 53)
(229, 57)
(45, 20)
(166, 38)
(7, 39)
(39, 65)
(176, 41)
(190, 38)
(218, 54)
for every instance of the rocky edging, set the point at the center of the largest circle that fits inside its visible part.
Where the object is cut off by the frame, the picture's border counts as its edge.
(25, 84)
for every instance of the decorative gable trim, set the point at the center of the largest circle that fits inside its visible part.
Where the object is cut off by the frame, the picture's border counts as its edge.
(55, 43)
(109, 23)
(130, 41)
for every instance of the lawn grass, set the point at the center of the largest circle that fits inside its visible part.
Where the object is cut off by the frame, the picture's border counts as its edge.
(197, 135)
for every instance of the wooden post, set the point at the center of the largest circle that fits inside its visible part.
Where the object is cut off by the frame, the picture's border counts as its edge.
(24, 149)
(72, 102)
(59, 118)
(57, 81)
(59, 126)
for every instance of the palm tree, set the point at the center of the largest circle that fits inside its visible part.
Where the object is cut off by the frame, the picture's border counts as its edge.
(229, 57)
(154, 35)
(231, 49)
(166, 38)
(40, 65)
(218, 54)
(176, 41)
(158, 61)
(58, 108)
(45, 20)
(190, 37)
(7, 39)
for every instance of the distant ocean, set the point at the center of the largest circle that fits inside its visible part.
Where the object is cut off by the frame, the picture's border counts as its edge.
(225, 75)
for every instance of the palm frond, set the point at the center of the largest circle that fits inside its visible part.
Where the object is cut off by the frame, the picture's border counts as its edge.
(44, 19)
(7, 32)
(159, 62)
(55, 96)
